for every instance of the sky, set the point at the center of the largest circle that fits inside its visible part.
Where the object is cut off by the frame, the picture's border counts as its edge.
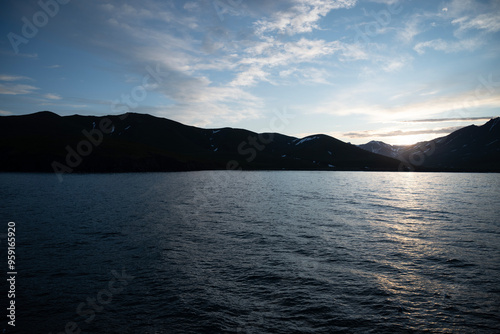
(399, 71)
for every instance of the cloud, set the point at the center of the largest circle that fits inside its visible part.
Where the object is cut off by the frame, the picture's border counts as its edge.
(396, 63)
(354, 52)
(247, 59)
(188, 41)
(449, 47)
(170, 44)
(205, 114)
(52, 96)
(214, 66)
(5, 77)
(191, 6)
(19, 55)
(16, 89)
(10, 88)
(150, 11)
(387, 2)
(54, 66)
(365, 102)
(69, 105)
(5, 112)
(305, 76)
(196, 100)
(473, 21)
(455, 8)
(265, 56)
(280, 54)
(302, 17)
(368, 134)
(411, 29)
(464, 102)
(459, 119)
(250, 77)
(489, 22)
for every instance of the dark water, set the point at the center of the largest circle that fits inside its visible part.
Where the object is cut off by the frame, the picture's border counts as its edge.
(255, 252)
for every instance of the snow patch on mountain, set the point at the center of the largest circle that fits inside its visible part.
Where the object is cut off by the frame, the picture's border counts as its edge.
(303, 140)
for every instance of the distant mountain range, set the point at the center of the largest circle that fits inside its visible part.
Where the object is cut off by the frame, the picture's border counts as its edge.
(46, 142)
(472, 148)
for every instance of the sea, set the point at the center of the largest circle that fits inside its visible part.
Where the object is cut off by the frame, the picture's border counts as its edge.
(252, 252)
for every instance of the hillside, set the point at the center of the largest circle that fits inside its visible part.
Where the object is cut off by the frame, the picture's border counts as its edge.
(46, 142)
(472, 148)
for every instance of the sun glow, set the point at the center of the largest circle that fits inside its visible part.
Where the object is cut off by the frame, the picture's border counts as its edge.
(407, 139)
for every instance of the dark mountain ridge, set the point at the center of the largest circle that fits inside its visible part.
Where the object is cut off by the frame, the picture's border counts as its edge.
(472, 148)
(47, 142)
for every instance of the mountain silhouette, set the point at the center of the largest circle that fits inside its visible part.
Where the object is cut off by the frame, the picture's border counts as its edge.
(472, 148)
(47, 142)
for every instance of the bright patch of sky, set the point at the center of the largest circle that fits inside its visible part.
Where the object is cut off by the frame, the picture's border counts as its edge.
(357, 70)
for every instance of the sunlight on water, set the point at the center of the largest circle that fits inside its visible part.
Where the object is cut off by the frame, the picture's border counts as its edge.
(260, 252)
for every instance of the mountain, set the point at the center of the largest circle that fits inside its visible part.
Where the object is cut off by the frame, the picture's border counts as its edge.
(47, 142)
(379, 147)
(472, 148)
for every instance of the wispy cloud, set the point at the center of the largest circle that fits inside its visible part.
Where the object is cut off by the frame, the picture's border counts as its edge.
(469, 20)
(69, 105)
(277, 53)
(11, 88)
(282, 54)
(465, 102)
(52, 96)
(439, 44)
(250, 59)
(387, 2)
(19, 55)
(5, 112)
(489, 22)
(456, 119)
(251, 76)
(455, 8)
(373, 134)
(301, 17)
(429, 105)
(194, 98)
(16, 89)
(307, 75)
(394, 64)
(191, 6)
(412, 28)
(6, 77)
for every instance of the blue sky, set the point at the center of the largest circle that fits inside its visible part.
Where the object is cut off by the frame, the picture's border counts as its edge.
(397, 71)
